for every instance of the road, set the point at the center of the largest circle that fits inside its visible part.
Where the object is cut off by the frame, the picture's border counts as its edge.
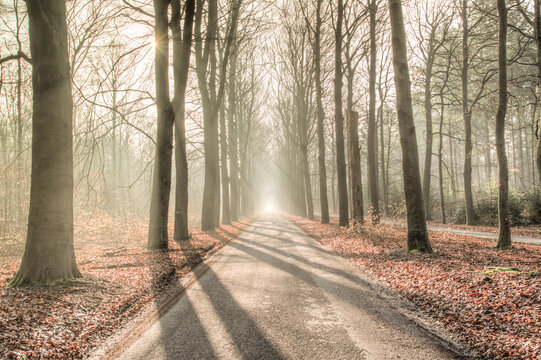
(275, 293)
(481, 234)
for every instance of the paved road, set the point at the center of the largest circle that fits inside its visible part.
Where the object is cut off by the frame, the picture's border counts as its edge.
(481, 234)
(277, 294)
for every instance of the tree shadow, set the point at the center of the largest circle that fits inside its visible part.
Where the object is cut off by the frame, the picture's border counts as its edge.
(176, 339)
(249, 340)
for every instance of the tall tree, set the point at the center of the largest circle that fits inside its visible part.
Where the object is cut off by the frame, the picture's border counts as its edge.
(372, 128)
(504, 235)
(417, 231)
(211, 99)
(49, 256)
(339, 121)
(233, 136)
(537, 32)
(357, 211)
(161, 182)
(182, 44)
(471, 218)
(323, 198)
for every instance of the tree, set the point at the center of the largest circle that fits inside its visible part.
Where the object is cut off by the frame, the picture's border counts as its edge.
(161, 182)
(372, 128)
(49, 256)
(357, 212)
(471, 217)
(233, 137)
(211, 99)
(181, 63)
(323, 198)
(504, 235)
(537, 34)
(339, 121)
(417, 231)
(432, 20)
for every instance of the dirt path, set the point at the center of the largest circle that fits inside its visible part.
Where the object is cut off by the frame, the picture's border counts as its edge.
(275, 293)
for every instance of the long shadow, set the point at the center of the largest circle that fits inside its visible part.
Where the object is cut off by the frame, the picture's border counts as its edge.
(248, 338)
(285, 240)
(305, 261)
(362, 297)
(175, 338)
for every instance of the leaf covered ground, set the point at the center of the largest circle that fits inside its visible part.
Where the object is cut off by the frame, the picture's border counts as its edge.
(121, 277)
(489, 299)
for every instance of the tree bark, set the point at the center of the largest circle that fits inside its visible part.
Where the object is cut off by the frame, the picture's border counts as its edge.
(161, 181)
(49, 256)
(417, 231)
(372, 128)
(323, 198)
(427, 176)
(357, 211)
(339, 122)
(226, 214)
(233, 136)
(504, 235)
(537, 5)
(181, 64)
(471, 218)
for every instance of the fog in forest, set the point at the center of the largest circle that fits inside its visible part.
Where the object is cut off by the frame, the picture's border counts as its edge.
(260, 115)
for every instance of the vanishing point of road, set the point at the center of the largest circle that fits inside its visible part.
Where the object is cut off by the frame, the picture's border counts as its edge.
(275, 293)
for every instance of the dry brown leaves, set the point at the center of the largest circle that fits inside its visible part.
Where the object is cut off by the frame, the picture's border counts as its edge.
(498, 313)
(120, 278)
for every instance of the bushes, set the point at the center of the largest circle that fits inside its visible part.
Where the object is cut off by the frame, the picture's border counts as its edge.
(524, 208)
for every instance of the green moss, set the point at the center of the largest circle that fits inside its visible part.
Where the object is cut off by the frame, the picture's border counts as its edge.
(492, 270)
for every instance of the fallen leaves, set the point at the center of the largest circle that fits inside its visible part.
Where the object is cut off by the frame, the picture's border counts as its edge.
(491, 299)
(120, 278)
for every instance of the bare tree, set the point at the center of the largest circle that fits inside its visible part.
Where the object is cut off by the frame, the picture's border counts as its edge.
(161, 184)
(181, 63)
(49, 256)
(417, 231)
(504, 235)
(339, 121)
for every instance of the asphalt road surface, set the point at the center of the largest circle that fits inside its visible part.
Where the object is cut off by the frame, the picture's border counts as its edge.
(275, 293)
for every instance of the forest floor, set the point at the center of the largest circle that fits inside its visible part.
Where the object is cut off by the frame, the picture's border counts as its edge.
(120, 279)
(489, 299)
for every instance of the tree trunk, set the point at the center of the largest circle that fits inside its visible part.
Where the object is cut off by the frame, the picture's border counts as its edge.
(181, 64)
(372, 128)
(226, 214)
(233, 136)
(339, 122)
(522, 172)
(427, 176)
(161, 181)
(537, 5)
(504, 235)
(49, 256)
(355, 182)
(417, 231)
(471, 218)
(440, 159)
(324, 202)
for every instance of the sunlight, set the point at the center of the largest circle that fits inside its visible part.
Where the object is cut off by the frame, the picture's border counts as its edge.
(269, 208)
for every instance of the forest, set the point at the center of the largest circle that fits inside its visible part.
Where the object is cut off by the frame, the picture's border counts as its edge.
(154, 149)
